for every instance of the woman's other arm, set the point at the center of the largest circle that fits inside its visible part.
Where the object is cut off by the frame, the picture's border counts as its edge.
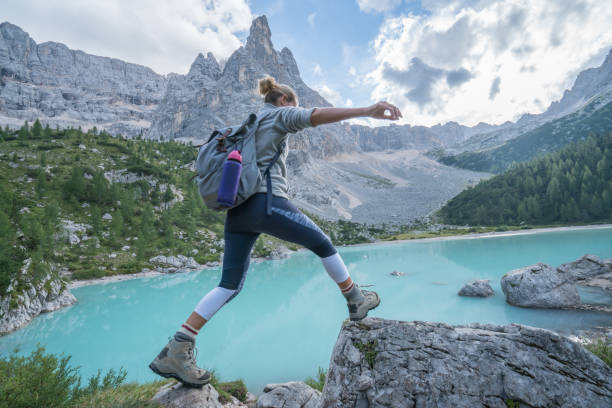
(380, 110)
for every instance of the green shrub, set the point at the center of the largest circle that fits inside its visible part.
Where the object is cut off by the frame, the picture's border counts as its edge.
(47, 380)
(319, 382)
(601, 349)
(234, 388)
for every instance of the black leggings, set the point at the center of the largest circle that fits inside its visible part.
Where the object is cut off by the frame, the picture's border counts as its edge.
(244, 223)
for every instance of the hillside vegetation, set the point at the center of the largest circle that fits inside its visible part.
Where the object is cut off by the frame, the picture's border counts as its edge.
(125, 201)
(547, 138)
(573, 185)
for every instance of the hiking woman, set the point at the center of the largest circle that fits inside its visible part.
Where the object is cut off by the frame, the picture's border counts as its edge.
(244, 223)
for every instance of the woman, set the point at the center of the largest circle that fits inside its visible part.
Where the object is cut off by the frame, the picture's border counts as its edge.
(243, 224)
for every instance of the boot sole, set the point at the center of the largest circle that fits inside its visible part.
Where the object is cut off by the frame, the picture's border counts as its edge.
(176, 377)
(356, 319)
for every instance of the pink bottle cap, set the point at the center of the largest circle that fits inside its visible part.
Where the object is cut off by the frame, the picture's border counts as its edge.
(235, 155)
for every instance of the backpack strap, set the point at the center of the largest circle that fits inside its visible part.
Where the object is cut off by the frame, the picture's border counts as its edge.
(269, 179)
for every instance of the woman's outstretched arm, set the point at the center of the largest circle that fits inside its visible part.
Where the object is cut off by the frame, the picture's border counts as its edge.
(380, 110)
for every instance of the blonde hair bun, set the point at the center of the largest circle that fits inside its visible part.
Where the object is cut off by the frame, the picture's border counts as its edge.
(266, 85)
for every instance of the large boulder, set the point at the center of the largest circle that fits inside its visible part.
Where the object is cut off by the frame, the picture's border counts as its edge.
(477, 288)
(586, 267)
(540, 285)
(386, 363)
(295, 394)
(179, 396)
(590, 271)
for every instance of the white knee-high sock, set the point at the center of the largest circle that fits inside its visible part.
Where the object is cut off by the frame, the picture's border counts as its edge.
(212, 302)
(334, 265)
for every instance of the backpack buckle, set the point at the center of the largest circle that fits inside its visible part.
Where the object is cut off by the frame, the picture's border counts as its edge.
(221, 140)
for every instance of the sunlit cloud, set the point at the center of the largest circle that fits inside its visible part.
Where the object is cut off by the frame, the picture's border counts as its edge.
(491, 61)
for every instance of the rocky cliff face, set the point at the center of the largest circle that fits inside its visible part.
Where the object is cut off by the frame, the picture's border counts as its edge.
(591, 85)
(47, 295)
(67, 87)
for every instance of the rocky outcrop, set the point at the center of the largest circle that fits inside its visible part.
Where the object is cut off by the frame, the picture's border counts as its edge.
(67, 87)
(178, 396)
(385, 363)
(589, 271)
(477, 288)
(540, 285)
(295, 394)
(172, 264)
(46, 295)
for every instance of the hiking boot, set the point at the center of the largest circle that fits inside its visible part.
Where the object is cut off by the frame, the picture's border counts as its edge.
(177, 360)
(360, 302)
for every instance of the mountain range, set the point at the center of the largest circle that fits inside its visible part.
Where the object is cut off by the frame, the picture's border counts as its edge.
(345, 171)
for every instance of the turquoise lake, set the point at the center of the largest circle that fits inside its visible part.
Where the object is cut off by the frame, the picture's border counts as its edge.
(284, 324)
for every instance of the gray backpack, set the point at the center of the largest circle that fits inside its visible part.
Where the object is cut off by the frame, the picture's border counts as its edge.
(212, 156)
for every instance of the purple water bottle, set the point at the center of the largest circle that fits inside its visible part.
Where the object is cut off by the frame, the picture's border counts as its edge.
(230, 178)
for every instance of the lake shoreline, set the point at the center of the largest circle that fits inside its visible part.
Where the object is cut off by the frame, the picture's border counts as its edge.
(492, 234)
(157, 272)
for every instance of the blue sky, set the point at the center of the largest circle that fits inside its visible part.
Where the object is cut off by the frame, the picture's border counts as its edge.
(333, 35)
(439, 60)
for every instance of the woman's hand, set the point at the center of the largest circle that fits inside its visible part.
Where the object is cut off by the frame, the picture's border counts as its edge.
(384, 110)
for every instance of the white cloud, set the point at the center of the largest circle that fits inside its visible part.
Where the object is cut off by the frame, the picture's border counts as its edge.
(488, 62)
(162, 34)
(311, 18)
(317, 69)
(348, 103)
(330, 94)
(377, 6)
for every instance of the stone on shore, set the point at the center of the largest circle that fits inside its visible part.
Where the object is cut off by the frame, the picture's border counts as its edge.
(178, 396)
(540, 285)
(173, 263)
(385, 363)
(477, 288)
(295, 394)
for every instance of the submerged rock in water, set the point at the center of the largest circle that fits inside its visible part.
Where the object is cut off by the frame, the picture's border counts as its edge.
(477, 288)
(386, 363)
(294, 394)
(540, 285)
(179, 396)
(396, 273)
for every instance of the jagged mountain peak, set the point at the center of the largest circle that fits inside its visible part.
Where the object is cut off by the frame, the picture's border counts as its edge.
(207, 66)
(6, 26)
(260, 35)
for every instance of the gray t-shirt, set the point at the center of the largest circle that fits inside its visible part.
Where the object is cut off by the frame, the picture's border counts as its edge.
(276, 122)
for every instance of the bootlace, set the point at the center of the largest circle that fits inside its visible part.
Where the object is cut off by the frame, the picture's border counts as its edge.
(192, 352)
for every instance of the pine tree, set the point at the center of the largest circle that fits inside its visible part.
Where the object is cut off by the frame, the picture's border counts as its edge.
(95, 219)
(75, 185)
(116, 229)
(37, 130)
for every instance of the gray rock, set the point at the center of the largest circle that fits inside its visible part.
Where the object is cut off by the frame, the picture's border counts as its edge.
(47, 295)
(478, 288)
(175, 263)
(587, 267)
(295, 394)
(178, 396)
(539, 285)
(422, 364)
(67, 87)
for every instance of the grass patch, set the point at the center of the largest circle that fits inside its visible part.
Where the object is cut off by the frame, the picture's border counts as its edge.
(601, 349)
(319, 381)
(368, 350)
